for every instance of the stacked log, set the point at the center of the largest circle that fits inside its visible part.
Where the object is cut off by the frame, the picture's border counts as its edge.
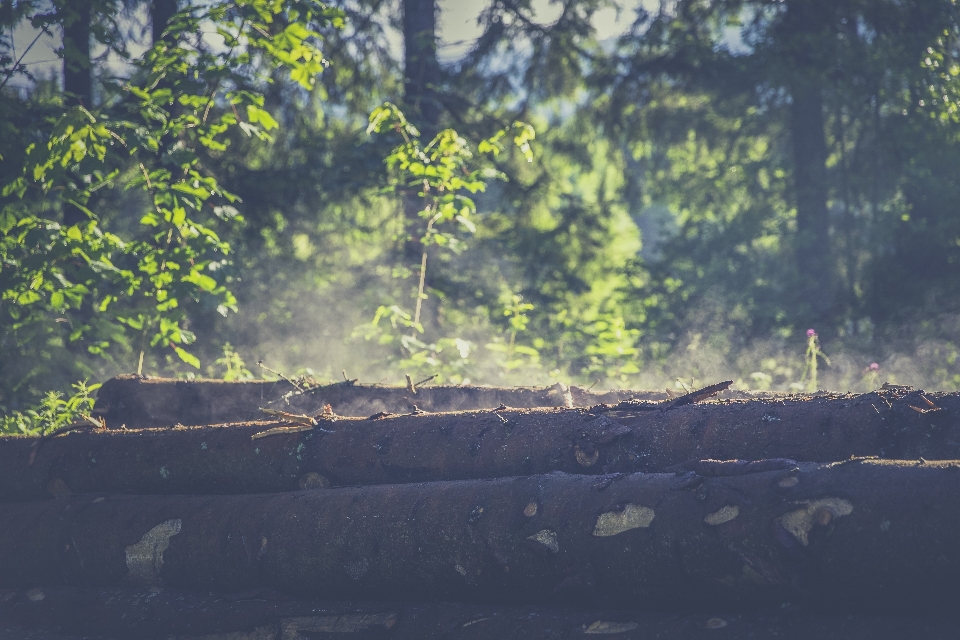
(606, 439)
(165, 613)
(635, 518)
(138, 402)
(861, 536)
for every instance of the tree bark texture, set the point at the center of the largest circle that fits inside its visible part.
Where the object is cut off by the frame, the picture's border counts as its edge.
(160, 402)
(154, 614)
(421, 68)
(76, 17)
(140, 402)
(77, 67)
(854, 537)
(161, 11)
(482, 444)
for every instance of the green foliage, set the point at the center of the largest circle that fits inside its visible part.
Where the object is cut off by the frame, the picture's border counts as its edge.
(811, 361)
(106, 277)
(53, 412)
(515, 310)
(232, 364)
(439, 178)
(656, 236)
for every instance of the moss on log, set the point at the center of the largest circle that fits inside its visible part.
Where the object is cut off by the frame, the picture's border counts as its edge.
(482, 444)
(860, 536)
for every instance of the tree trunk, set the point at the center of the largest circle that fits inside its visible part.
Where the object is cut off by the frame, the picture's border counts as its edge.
(76, 16)
(161, 11)
(159, 614)
(807, 30)
(855, 537)
(485, 444)
(77, 67)
(421, 68)
(421, 72)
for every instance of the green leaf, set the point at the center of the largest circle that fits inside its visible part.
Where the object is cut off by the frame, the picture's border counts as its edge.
(7, 221)
(188, 357)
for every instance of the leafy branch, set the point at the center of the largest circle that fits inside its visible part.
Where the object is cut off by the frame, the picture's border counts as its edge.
(151, 133)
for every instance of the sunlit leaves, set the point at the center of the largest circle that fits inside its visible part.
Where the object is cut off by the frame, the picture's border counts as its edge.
(181, 102)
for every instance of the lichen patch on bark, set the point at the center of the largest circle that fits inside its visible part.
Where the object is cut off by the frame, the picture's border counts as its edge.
(633, 516)
(821, 512)
(145, 558)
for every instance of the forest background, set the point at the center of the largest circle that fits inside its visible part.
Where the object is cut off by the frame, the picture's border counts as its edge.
(195, 187)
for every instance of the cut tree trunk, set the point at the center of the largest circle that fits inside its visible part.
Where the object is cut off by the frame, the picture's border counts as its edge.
(482, 444)
(264, 615)
(158, 402)
(139, 403)
(852, 537)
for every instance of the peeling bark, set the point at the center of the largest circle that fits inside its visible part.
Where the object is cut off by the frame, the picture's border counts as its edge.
(852, 537)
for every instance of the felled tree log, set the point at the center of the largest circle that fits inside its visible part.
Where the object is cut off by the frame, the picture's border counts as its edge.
(860, 536)
(138, 403)
(487, 444)
(263, 615)
(16, 632)
(159, 402)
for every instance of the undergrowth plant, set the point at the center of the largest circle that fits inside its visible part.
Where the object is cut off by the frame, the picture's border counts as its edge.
(440, 176)
(811, 359)
(53, 412)
(514, 355)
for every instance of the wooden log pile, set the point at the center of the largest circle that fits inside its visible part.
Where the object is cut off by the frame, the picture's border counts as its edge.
(836, 516)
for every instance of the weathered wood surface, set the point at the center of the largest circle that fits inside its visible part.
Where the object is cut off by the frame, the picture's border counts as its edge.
(139, 402)
(482, 444)
(159, 402)
(264, 615)
(854, 537)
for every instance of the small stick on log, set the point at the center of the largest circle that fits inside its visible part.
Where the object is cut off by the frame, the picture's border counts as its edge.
(425, 380)
(277, 431)
(664, 405)
(277, 373)
(700, 394)
(291, 417)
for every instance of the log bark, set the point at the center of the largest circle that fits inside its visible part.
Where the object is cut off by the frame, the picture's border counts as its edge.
(139, 403)
(482, 444)
(855, 537)
(264, 615)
